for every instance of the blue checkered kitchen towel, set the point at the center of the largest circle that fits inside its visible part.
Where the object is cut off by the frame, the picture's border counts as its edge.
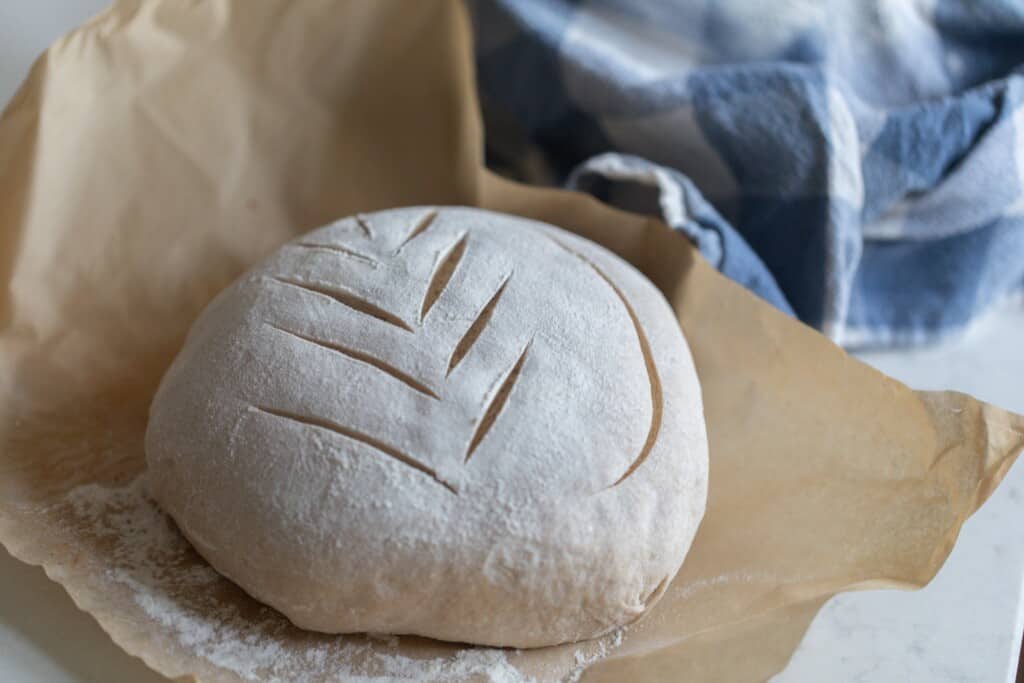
(859, 163)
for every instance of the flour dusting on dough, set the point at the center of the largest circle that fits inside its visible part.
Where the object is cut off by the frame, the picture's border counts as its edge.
(149, 558)
(318, 443)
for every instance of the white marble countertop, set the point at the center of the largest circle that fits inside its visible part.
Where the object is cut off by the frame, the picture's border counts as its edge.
(964, 626)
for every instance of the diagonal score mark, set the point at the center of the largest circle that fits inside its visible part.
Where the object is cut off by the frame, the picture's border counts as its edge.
(476, 328)
(364, 225)
(366, 358)
(338, 249)
(355, 435)
(497, 403)
(418, 229)
(652, 370)
(347, 299)
(446, 266)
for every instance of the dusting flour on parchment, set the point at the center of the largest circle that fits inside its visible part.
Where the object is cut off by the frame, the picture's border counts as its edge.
(604, 646)
(137, 548)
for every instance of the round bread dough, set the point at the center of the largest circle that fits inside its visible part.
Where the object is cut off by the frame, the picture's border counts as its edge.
(446, 422)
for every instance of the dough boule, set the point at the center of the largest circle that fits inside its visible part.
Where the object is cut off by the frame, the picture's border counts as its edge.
(445, 422)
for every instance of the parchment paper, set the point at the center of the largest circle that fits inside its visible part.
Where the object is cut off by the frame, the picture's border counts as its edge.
(156, 152)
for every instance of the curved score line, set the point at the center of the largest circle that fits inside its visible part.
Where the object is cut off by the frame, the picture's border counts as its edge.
(652, 370)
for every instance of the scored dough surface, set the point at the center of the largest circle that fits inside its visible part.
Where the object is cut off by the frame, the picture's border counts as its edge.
(444, 422)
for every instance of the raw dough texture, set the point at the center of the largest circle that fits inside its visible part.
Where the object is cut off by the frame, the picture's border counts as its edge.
(445, 422)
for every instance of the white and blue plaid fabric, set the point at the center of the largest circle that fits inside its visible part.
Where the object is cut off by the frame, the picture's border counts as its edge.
(858, 163)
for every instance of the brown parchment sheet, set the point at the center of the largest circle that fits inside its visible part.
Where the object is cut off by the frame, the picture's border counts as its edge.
(159, 150)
